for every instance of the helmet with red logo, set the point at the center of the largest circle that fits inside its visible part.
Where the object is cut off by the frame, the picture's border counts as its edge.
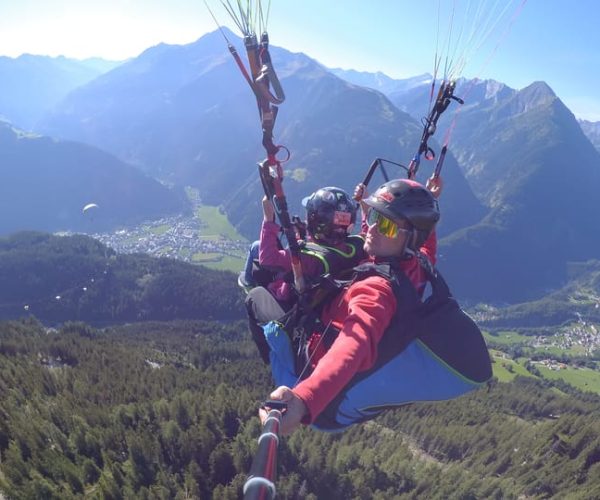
(330, 212)
(407, 200)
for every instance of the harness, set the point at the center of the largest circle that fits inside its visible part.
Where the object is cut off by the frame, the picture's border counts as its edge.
(432, 350)
(334, 260)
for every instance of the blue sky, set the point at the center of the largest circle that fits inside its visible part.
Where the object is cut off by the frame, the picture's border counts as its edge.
(557, 41)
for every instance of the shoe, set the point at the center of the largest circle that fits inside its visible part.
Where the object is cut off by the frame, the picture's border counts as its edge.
(243, 284)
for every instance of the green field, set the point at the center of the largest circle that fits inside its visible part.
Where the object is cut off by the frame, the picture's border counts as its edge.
(584, 379)
(507, 338)
(203, 258)
(220, 261)
(575, 350)
(227, 263)
(507, 369)
(217, 227)
(216, 224)
(526, 342)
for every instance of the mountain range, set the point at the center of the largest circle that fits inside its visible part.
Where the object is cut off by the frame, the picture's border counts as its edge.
(45, 183)
(520, 178)
(592, 131)
(381, 82)
(31, 85)
(142, 405)
(528, 161)
(193, 120)
(396, 90)
(525, 154)
(577, 301)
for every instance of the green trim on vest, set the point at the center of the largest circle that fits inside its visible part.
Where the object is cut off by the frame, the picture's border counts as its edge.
(319, 256)
(322, 252)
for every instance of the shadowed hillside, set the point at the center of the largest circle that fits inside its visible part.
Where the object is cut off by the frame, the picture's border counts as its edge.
(526, 157)
(46, 183)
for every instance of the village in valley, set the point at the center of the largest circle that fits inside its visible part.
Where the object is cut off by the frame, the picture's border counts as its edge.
(581, 335)
(179, 237)
(204, 237)
(570, 353)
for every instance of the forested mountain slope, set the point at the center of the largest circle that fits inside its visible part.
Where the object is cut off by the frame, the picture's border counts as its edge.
(169, 410)
(61, 279)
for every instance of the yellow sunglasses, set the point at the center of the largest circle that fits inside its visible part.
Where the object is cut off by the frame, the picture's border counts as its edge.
(386, 227)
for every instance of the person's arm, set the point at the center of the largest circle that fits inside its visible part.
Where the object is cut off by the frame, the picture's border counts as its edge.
(429, 248)
(269, 254)
(368, 310)
(360, 193)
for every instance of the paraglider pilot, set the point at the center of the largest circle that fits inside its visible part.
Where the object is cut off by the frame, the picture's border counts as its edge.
(400, 217)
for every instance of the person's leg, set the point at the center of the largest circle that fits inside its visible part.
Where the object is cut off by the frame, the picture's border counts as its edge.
(262, 308)
(281, 354)
(245, 279)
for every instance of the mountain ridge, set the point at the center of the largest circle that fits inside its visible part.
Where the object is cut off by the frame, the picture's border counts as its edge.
(192, 120)
(31, 84)
(333, 129)
(592, 131)
(77, 278)
(45, 183)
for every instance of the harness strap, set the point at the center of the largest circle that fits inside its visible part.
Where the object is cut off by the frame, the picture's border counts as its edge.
(334, 261)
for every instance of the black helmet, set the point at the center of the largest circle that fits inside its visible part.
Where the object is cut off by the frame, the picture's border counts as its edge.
(329, 214)
(407, 200)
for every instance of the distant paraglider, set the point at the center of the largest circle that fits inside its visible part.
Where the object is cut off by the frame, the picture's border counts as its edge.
(89, 213)
(89, 209)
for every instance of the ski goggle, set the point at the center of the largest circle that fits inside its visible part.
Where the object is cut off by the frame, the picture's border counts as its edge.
(386, 227)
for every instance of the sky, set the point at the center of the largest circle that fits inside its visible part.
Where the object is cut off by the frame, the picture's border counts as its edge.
(556, 41)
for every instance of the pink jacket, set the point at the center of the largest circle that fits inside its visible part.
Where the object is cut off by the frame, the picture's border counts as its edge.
(271, 256)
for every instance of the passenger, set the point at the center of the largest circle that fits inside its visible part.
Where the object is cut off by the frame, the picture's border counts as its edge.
(330, 249)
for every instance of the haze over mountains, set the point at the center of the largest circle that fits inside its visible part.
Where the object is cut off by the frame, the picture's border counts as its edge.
(45, 183)
(521, 178)
(31, 85)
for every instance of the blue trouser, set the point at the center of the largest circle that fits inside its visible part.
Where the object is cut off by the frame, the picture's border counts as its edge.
(250, 258)
(281, 355)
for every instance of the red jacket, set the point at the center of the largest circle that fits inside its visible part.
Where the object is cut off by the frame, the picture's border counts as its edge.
(361, 313)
